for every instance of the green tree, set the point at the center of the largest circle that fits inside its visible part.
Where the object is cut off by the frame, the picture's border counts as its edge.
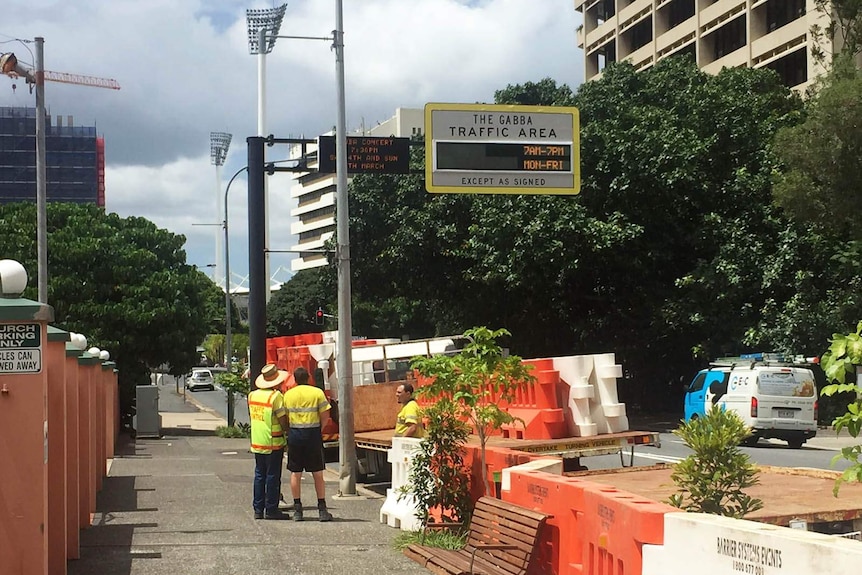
(234, 386)
(843, 30)
(122, 282)
(291, 309)
(672, 253)
(821, 183)
(545, 92)
(714, 477)
(839, 361)
(214, 346)
(476, 379)
(438, 476)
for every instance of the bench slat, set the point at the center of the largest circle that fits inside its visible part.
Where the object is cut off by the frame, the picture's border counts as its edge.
(517, 521)
(494, 522)
(504, 507)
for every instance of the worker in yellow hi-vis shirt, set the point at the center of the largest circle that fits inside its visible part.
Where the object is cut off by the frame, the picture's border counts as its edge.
(307, 413)
(268, 422)
(408, 423)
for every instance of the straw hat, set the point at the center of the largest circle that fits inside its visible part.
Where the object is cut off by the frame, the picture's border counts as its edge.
(270, 376)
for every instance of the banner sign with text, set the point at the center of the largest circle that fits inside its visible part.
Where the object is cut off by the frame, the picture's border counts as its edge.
(366, 155)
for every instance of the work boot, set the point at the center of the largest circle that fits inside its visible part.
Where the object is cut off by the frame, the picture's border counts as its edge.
(297, 512)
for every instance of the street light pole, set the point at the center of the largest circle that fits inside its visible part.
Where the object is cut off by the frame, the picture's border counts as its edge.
(227, 298)
(41, 177)
(219, 146)
(263, 27)
(346, 445)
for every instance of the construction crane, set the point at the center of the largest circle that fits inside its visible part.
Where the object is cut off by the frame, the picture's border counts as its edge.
(9, 65)
(82, 80)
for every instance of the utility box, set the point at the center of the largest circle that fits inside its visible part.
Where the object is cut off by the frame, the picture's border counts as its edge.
(147, 421)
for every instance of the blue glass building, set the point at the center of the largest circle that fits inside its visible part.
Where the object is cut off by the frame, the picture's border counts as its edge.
(75, 159)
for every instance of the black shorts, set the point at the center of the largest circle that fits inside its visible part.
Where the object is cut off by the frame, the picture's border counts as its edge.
(305, 450)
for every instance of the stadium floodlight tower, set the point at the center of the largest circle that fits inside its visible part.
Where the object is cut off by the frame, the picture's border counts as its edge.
(263, 28)
(219, 145)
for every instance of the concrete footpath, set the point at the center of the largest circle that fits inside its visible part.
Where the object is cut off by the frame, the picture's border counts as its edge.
(181, 504)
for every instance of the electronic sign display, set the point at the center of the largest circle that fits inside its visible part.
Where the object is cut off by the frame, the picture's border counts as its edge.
(482, 148)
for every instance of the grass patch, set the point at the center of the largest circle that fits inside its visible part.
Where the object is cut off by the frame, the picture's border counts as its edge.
(442, 538)
(231, 431)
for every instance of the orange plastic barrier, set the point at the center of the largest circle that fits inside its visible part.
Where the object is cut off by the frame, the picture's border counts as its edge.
(271, 350)
(596, 529)
(535, 405)
(560, 548)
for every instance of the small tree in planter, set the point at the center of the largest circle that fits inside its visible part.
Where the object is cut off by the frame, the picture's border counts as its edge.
(475, 380)
(712, 480)
(438, 477)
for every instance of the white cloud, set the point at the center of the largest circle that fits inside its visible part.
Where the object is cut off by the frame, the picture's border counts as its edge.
(185, 71)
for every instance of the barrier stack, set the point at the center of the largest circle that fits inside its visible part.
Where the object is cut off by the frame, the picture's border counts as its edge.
(399, 509)
(596, 529)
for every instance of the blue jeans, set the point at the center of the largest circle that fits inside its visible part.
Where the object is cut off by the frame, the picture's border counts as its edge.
(267, 480)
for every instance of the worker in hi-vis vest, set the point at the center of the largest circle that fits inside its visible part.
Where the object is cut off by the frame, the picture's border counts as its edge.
(268, 422)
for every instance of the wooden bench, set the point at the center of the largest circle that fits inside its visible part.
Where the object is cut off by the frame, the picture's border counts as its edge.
(502, 541)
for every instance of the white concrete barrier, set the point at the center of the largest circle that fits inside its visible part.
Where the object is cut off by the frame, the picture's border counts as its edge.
(399, 508)
(715, 545)
(552, 465)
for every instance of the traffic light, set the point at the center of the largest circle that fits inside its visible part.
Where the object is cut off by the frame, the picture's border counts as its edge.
(318, 316)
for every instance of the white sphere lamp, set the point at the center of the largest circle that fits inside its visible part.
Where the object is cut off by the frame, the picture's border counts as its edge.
(13, 279)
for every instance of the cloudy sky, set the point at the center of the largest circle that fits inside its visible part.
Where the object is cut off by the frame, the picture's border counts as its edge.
(185, 71)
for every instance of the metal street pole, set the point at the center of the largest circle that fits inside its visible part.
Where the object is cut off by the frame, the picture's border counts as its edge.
(227, 299)
(258, 283)
(228, 333)
(41, 184)
(261, 131)
(346, 445)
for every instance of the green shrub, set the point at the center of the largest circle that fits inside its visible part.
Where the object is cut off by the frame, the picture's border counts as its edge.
(712, 480)
(840, 362)
(233, 431)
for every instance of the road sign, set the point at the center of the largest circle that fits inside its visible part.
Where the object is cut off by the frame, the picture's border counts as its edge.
(366, 155)
(20, 348)
(500, 149)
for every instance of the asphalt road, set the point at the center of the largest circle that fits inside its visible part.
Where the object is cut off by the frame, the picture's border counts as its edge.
(767, 452)
(215, 400)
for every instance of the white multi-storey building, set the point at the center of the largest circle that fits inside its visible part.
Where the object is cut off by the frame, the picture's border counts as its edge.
(315, 192)
(717, 33)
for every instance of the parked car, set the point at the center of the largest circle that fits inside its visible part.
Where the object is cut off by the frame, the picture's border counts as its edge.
(200, 379)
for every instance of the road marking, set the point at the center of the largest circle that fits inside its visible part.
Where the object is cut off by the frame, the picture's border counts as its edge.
(665, 458)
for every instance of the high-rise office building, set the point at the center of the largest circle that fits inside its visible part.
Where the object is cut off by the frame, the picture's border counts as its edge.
(315, 192)
(772, 34)
(74, 158)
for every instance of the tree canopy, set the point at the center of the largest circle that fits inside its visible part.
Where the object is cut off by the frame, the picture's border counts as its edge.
(122, 282)
(673, 253)
(291, 309)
